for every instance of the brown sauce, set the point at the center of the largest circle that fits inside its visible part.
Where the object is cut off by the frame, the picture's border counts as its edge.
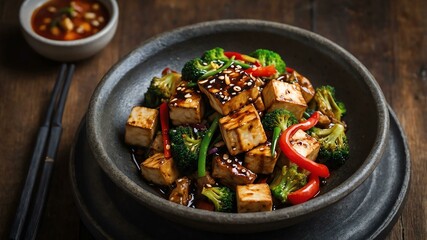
(67, 20)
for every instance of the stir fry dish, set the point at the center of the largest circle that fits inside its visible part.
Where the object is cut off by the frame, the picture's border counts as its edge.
(237, 132)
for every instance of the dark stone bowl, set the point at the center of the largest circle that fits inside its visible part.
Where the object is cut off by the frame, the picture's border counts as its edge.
(322, 61)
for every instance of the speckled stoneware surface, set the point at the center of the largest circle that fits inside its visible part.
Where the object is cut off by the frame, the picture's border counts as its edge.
(322, 61)
(369, 212)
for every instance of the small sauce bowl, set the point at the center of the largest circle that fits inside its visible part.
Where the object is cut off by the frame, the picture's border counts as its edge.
(67, 51)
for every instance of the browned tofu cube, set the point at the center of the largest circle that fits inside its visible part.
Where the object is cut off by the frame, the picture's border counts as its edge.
(141, 126)
(259, 159)
(230, 89)
(259, 104)
(181, 193)
(159, 170)
(278, 94)
(307, 88)
(254, 198)
(304, 144)
(242, 130)
(186, 105)
(230, 172)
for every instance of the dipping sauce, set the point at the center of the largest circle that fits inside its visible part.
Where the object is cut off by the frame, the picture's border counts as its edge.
(69, 20)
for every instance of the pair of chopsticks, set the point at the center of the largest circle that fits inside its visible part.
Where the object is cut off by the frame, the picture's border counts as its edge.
(48, 139)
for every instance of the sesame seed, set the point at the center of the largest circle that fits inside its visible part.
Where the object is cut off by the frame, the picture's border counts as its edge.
(243, 170)
(168, 146)
(173, 100)
(178, 88)
(212, 81)
(249, 83)
(203, 82)
(209, 86)
(208, 185)
(229, 161)
(221, 77)
(250, 99)
(237, 88)
(188, 95)
(225, 156)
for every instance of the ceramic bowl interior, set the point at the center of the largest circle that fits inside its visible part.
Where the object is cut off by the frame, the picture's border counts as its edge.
(67, 50)
(320, 60)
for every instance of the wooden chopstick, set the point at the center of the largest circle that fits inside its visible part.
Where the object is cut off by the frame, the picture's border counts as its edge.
(52, 129)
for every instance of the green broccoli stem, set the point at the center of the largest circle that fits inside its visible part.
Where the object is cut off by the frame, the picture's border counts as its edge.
(276, 135)
(192, 143)
(213, 72)
(201, 168)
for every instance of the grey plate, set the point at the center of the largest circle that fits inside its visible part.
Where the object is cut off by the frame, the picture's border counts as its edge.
(367, 213)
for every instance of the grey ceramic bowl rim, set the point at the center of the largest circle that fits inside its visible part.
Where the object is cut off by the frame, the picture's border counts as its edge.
(114, 17)
(181, 34)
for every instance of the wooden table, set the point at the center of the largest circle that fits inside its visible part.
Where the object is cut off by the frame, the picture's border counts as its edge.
(389, 37)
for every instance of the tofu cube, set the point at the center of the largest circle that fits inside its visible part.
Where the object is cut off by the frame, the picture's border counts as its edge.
(141, 126)
(259, 159)
(259, 104)
(307, 88)
(186, 105)
(230, 89)
(159, 170)
(278, 94)
(254, 198)
(242, 130)
(304, 144)
(181, 193)
(230, 172)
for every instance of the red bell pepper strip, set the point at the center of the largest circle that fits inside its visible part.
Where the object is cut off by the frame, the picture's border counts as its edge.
(289, 70)
(241, 57)
(303, 162)
(262, 71)
(164, 122)
(310, 190)
(167, 71)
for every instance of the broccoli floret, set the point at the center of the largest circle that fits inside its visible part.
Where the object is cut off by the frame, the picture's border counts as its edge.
(185, 146)
(222, 198)
(214, 54)
(280, 117)
(326, 102)
(334, 148)
(277, 121)
(194, 69)
(161, 89)
(268, 57)
(286, 181)
(217, 54)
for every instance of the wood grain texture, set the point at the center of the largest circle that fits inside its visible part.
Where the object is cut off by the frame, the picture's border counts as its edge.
(388, 36)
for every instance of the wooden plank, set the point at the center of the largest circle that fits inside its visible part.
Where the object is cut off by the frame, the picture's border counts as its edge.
(389, 38)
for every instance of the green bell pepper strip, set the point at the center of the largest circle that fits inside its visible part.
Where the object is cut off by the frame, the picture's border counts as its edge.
(201, 167)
